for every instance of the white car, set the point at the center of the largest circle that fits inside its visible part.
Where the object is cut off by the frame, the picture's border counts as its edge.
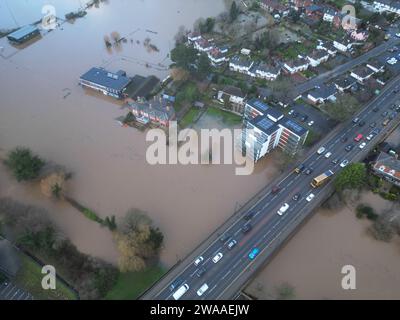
(283, 209)
(370, 137)
(344, 163)
(321, 150)
(217, 257)
(392, 61)
(311, 123)
(398, 35)
(202, 289)
(310, 197)
(198, 261)
(328, 155)
(362, 145)
(290, 112)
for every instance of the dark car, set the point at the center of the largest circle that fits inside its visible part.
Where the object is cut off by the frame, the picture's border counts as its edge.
(349, 147)
(200, 272)
(398, 108)
(335, 161)
(300, 168)
(225, 237)
(248, 216)
(393, 106)
(375, 109)
(275, 190)
(297, 196)
(344, 139)
(373, 125)
(309, 171)
(376, 131)
(175, 284)
(384, 114)
(304, 118)
(246, 228)
(295, 114)
(361, 123)
(393, 115)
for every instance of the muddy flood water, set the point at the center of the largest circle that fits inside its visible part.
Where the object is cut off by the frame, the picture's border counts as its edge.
(42, 107)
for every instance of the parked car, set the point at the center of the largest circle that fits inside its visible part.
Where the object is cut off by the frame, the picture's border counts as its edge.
(372, 125)
(328, 155)
(370, 137)
(362, 145)
(392, 115)
(344, 139)
(375, 109)
(335, 161)
(311, 123)
(225, 237)
(361, 123)
(356, 120)
(321, 150)
(309, 171)
(384, 114)
(290, 112)
(202, 289)
(385, 122)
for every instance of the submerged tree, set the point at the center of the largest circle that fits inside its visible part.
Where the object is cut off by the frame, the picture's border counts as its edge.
(23, 164)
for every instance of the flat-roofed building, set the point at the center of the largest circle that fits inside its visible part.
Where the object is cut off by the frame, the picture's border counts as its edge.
(110, 84)
(23, 34)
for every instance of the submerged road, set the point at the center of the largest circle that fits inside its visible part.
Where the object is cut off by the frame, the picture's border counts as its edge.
(227, 277)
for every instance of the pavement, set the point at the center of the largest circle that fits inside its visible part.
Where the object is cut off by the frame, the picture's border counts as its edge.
(270, 230)
(9, 291)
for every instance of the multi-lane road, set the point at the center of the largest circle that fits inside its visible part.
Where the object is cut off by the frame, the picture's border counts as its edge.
(226, 277)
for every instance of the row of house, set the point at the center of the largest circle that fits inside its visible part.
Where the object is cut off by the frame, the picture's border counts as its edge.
(266, 128)
(361, 74)
(216, 54)
(245, 65)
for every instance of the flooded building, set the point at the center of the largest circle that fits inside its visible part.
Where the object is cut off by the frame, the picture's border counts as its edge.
(141, 87)
(110, 84)
(158, 111)
(388, 167)
(23, 34)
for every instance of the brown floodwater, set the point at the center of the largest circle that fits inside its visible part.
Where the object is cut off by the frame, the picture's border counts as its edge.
(312, 261)
(42, 107)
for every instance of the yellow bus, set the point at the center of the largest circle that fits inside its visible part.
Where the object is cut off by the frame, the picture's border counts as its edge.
(321, 179)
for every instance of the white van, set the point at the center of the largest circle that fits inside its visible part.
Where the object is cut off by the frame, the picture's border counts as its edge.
(202, 289)
(283, 209)
(180, 292)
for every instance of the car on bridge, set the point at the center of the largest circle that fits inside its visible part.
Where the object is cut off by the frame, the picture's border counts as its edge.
(328, 155)
(349, 147)
(283, 209)
(217, 257)
(175, 284)
(344, 163)
(225, 237)
(246, 228)
(297, 196)
(310, 197)
(300, 168)
(231, 244)
(200, 272)
(180, 292)
(198, 261)
(202, 289)
(321, 150)
(254, 253)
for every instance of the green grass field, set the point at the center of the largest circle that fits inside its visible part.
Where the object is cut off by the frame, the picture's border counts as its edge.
(29, 277)
(189, 117)
(228, 118)
(130, 285)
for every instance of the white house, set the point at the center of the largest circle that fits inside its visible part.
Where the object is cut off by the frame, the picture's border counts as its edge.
(217, 56)
(322, 93)
(203, 45)
(316, 57)
(343, 45)
(376, 66)
(332, 51)
(240, 64)
(265, 71)
(233, 94)
(194, 36)
(297, 65)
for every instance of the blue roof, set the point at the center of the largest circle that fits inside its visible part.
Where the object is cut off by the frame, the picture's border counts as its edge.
(117, 81)
(264, 124)
(23, 32)
(259, 105)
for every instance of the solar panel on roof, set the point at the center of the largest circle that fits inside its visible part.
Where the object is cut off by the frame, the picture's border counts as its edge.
(265, 123)
(260, 105)
(294, 126)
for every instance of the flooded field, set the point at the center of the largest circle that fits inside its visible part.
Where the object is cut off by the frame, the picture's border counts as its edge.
(312, 261)
(42, 107)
